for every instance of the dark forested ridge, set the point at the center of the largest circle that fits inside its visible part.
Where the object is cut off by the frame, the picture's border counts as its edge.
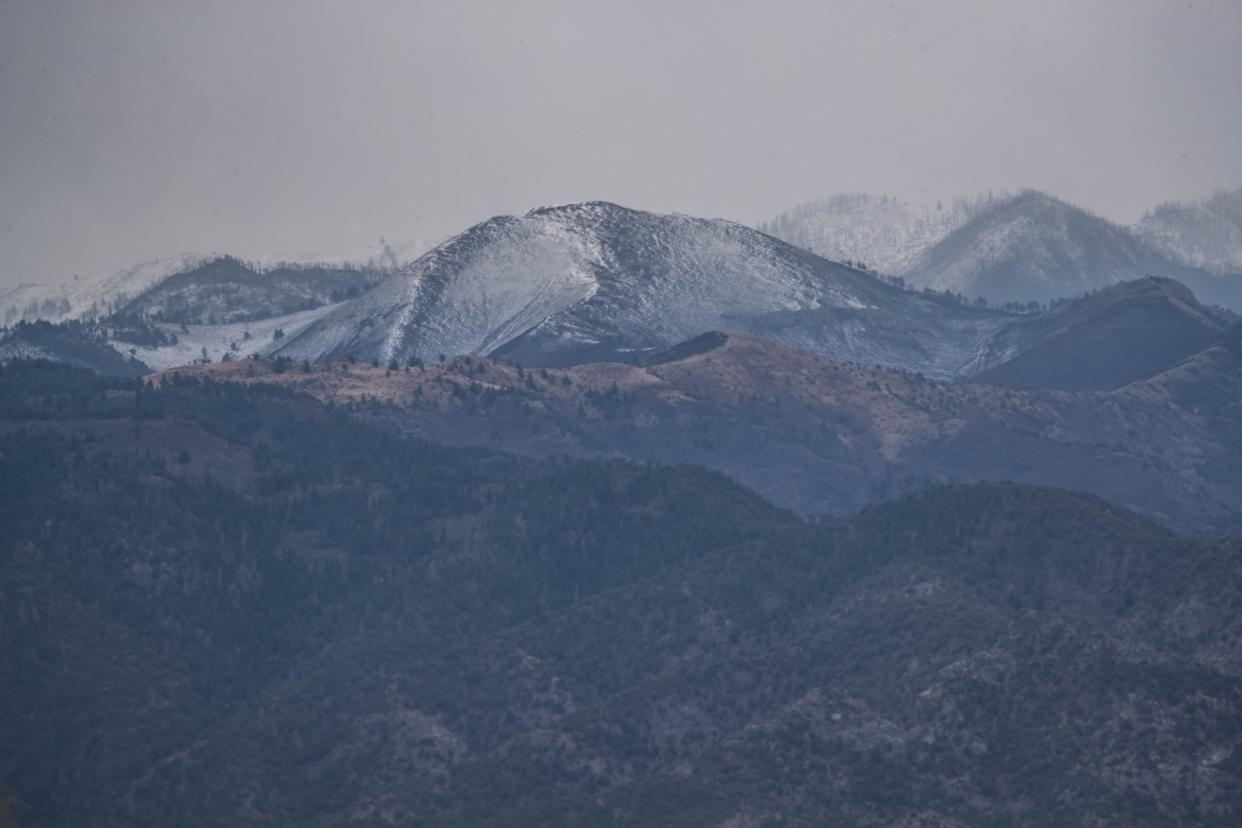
(233, 605)
(79, 344)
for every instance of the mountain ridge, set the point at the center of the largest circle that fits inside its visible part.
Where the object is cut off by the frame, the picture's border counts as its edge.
(594, 281)
(819, 435)
(1023, 247)
(1206, 233)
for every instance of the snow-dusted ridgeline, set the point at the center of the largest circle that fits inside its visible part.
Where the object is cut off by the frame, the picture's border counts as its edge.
(598, 281)
(1205, 233)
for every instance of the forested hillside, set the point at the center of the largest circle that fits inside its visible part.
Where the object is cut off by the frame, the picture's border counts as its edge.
(233, 605)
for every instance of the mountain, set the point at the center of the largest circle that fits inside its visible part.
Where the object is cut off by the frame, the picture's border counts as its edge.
(1033, 247)
(168, 345)
(1205, 234)
(231, 605)
(28, 302)
(1028, 247)
(225, 290)
(595, 281)
(91, 297)
(73, 343)
(879, 232)
(589, 282)
(825, 437)
(1111, 337)
(103, 295)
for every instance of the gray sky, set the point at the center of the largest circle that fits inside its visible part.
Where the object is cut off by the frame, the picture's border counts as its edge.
(130, 130)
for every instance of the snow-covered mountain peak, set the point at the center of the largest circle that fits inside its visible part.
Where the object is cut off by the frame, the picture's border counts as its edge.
(597, 281)
(1035, 247)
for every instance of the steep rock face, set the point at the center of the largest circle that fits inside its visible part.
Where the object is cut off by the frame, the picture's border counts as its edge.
(587, 282)
(1205, 234)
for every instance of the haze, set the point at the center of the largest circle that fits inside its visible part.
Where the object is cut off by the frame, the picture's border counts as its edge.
(135, 130)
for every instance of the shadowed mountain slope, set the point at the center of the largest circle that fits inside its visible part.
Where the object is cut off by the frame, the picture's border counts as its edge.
(1118, 335)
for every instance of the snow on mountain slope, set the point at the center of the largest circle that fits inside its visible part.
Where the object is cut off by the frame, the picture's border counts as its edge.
(99, 296)
(22, 301)
(219, 340)
(1205, 234)
(596, 281)
(90, 297)
(226, 289)
(877, 231)
(1033, 247)
(489, 284)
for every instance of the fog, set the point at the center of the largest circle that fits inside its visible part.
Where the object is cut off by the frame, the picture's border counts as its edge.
(140, 129)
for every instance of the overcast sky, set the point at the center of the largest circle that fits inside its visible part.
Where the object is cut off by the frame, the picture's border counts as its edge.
(131, 130)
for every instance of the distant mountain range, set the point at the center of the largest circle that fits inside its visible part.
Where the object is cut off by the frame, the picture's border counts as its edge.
(880, 233)
(595, 281)
(1025, 247)
(103, 295)
(592, 282)
(1205, 234)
